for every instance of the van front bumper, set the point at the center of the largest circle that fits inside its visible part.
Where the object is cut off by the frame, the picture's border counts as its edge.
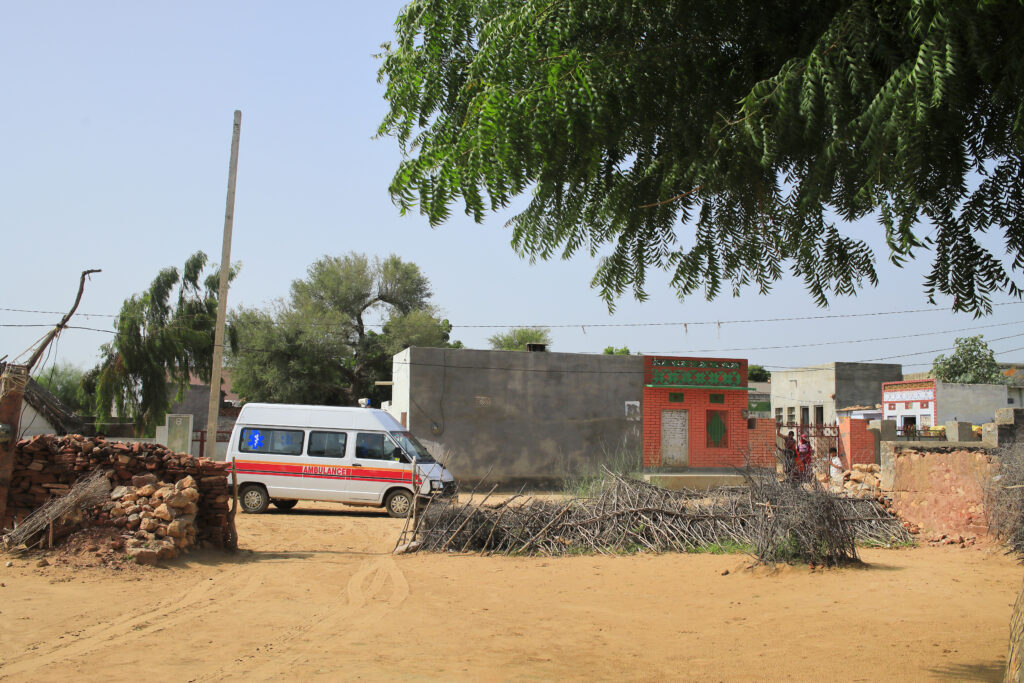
(449, 489)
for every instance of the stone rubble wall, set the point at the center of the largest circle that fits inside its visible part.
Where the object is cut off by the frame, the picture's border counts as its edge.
(192, 490)
(940, 489)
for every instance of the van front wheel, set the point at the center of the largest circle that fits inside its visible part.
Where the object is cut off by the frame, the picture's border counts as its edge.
(254, 498)
(398, 503)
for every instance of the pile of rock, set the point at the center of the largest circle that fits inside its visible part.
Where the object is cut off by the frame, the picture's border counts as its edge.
(48, 465)
(860, 481)
(159, 519)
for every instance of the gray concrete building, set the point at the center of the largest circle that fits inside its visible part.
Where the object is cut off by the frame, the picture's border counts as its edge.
(525, 417)
(811, 395)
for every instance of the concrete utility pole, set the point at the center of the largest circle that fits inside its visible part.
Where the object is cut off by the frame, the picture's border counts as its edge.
(222, 294)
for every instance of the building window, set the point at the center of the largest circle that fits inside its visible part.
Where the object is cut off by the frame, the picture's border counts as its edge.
(805, 415)
(819, 415)
(675, 396)
(910, 405)
(718, 436)
(278, 441)
(790, 415)
(892, 406)
(716, 398)
(327, 444)
(778, 415)
(924, 404)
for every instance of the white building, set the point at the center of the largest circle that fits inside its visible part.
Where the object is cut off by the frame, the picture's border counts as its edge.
(924, 403)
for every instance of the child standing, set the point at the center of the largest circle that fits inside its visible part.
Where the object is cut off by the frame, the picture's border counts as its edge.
(835, 466)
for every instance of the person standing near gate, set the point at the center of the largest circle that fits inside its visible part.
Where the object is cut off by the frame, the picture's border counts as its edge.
(789, 453)
(804, 454)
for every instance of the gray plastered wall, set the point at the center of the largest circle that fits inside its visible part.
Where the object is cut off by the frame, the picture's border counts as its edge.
(518, 417)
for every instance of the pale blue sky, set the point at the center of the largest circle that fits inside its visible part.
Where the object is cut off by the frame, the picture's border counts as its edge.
(115, 138)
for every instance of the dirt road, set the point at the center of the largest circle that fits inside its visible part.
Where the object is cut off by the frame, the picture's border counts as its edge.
(317, 595)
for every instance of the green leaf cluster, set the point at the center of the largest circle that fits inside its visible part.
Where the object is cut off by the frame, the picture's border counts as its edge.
(972, 362)
(616, 351)
(758, 373)
(723, 141)
(164, 337)
(517, 338)
(64, 380)
(315, 347)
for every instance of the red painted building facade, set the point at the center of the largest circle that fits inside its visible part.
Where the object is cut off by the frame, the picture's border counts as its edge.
(695, 414)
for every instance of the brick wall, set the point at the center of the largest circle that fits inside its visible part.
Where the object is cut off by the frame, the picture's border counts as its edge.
(856, 443)
(762, 443)
(697, 402)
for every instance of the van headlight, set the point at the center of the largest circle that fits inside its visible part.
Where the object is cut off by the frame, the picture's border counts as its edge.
(435, 485)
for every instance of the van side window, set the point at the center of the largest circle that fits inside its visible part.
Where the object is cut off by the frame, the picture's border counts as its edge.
(327, 444)
(376, 447)
(279, 441)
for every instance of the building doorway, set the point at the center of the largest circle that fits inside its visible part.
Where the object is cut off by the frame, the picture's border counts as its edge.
(675, 438)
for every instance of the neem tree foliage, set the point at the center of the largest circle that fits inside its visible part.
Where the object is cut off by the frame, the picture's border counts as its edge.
(721, 140)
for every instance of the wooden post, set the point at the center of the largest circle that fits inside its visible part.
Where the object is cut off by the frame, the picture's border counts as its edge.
(222, 294)
(13, 379)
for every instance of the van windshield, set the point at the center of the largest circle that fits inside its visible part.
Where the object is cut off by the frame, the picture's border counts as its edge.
(413, 447)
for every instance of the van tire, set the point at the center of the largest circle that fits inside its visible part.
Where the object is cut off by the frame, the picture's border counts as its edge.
(398, 503)
(253, 499)
(284, 505)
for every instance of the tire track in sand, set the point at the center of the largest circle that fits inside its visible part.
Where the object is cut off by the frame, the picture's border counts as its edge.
(160, 615)
(377, 587)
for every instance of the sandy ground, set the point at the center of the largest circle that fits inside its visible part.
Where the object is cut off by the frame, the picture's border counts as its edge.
(316, 594)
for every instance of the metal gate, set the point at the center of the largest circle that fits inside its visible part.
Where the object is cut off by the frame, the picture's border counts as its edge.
(821, 436)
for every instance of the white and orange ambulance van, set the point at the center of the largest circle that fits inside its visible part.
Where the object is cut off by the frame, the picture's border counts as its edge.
(362, 456)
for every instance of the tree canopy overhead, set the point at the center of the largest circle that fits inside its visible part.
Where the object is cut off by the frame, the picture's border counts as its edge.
(724, 141)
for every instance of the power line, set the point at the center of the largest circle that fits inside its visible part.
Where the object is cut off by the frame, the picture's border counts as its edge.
(583, 326)
(756, 348)
(797, 368)
(842, 341)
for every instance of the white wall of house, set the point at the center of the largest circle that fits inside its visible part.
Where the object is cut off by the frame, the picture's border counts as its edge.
(32, 423)
(910, 402)
(399, 404)
(798, 392)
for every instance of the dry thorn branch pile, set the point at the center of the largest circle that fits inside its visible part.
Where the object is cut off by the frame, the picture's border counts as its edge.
(776, 521)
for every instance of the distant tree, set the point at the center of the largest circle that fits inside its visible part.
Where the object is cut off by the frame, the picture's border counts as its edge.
(728, 143)
(316, 347)
(64, 380)
(164, 335)
(972, 362)
(517, 338)
(757, 373)
(613, 351)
